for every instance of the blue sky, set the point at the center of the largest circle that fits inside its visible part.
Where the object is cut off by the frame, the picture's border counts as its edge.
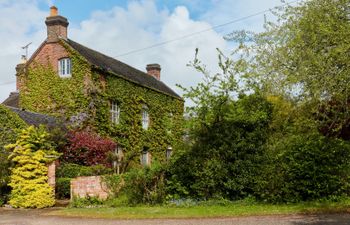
(114, 27)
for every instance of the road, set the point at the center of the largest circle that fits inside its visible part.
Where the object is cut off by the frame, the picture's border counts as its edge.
(38, 217)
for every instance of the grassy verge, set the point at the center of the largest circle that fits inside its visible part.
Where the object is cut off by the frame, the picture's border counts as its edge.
(202, 211)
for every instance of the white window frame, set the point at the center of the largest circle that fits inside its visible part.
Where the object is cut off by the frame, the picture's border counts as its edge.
(145, 117)
(145, 158)
(115, 112)
(65, 67)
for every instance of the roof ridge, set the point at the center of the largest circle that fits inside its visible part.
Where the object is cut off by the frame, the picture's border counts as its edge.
(117, 67)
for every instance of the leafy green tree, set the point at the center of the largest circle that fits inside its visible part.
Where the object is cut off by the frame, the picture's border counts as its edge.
(303, 56)
(228, 129)
(9, 123)
(31, 155)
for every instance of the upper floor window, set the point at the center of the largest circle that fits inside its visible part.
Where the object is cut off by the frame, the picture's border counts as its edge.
(65, 67)
(145, 118)
(115, 112)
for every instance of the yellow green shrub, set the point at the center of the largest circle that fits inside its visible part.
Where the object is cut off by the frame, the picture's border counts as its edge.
(31, 154)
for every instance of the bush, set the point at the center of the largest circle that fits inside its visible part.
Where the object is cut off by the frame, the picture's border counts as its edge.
(71, 170)
(146, 185)
(87, 202)
(86, 148)
(9, 123)
(306, 167)
(29, 181)
(115, 184)
(63, 188)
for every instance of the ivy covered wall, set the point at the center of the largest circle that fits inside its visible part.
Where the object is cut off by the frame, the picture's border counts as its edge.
(86, 98)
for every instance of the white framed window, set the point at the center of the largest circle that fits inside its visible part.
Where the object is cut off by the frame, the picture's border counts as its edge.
(145, 159)
(115, 112)
(145, 117)
(169, 152)
(65, 67)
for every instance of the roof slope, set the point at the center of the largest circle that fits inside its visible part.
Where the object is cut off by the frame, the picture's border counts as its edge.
(119, 68)
(12, 100)
(37, 119)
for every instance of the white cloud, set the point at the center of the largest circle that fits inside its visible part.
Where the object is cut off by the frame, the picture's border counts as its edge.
(123, 29)
(141, 24)
(21, 23)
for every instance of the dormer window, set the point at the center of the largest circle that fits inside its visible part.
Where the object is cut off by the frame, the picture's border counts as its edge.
(145, 117)
(65, 67)
(115, 112)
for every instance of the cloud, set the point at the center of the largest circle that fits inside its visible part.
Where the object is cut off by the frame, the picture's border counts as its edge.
(139, 24)
(121, 30)
(21, 23)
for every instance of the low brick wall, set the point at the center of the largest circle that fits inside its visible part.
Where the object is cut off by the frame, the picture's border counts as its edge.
(88, 186)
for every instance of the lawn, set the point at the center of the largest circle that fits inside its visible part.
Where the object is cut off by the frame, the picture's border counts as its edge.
(202, 211)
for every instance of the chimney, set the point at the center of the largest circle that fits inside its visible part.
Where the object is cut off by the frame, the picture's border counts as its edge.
(19, 71)
(56, 26)
(154, 70)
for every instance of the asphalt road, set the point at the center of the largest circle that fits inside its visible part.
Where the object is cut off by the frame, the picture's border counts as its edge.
(37, 217)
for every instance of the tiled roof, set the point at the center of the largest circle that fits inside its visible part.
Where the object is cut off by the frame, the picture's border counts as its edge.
(36, 119)
(121, 69)
(12, 100)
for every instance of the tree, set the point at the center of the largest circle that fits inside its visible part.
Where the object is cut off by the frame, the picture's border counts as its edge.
(9, 123)
(304, 56)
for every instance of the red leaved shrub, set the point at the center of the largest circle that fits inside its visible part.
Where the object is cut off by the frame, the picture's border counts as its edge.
(86, 148)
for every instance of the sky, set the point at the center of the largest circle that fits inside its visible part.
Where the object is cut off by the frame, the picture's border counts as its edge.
(116, 27)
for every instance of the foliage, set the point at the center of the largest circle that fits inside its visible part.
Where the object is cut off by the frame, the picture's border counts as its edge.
(114, 183)
(29, 182)
(226, 158)
(304, 56)
(70, 170)
(85, 100)
(145, 186)
(9, 123)
(87, 202)
(86, 148)
(62, 188)
(306, 167)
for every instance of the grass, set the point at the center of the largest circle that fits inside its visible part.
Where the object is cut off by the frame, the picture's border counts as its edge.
(205, 211)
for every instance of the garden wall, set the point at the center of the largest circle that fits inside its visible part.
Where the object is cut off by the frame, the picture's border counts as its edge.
(88, 186)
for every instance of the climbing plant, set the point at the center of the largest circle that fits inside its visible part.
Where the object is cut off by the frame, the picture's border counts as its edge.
(29, 181)
(85, 99)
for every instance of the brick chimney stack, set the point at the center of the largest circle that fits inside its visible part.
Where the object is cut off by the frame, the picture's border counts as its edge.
(154, 70)
(56, 26)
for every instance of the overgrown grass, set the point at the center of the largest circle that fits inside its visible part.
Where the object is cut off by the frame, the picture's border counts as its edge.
(205, 210)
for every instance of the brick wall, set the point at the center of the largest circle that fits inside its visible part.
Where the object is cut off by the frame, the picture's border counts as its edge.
(88, 186)
(49, 54)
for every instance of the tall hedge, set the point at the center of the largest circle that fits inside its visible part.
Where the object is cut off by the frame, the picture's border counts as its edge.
(9, 122)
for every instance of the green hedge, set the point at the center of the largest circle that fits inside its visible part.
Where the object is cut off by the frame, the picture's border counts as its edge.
(70, 170)
(65, 172)
(63, 188)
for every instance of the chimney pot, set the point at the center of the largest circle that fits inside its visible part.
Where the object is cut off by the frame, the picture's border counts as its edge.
(53, 11)
(154, 70)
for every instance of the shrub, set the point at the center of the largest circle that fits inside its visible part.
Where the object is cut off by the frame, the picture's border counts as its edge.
(306, 167)
(86, 148)
(63, 188)
(146, 185)
(9, 123)
(115, 184)
(87, 202)
(29, 181)
(71, 170)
